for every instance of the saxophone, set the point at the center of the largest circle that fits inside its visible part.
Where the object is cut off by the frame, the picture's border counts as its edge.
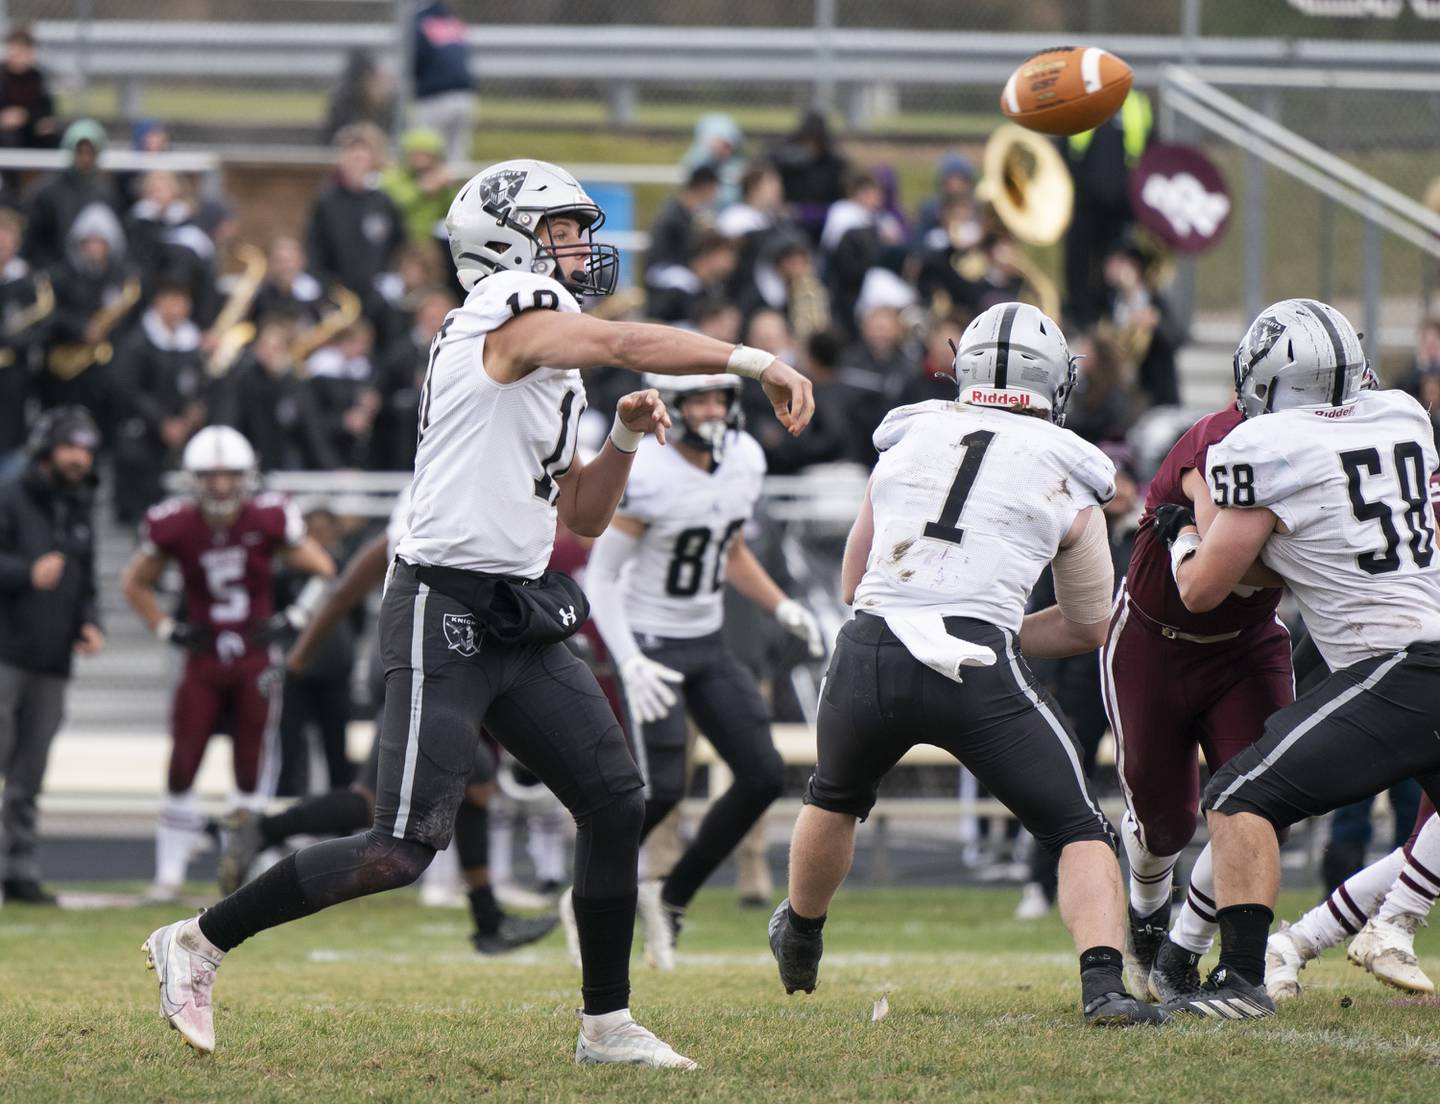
(35, 313)
(70, 359)
(231, 330)
(345, 313)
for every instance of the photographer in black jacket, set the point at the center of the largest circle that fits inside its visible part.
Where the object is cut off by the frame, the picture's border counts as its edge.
(48, 613)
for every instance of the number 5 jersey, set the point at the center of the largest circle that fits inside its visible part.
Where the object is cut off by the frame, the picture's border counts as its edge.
(483, 496)
(676, 579)
(970, 506)
(1351, 484)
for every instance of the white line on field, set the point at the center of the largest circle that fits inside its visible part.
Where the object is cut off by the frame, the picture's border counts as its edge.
(716, 959)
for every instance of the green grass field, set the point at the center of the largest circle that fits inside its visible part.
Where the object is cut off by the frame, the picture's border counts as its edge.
(383, 1000)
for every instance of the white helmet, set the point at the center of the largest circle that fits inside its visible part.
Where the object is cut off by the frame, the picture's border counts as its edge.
(1013, 355)
(709, 435)
(220, 448)
(1299, 352)
(493, 221)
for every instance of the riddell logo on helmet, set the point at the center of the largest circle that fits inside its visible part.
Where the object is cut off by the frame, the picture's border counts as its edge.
(999, 398)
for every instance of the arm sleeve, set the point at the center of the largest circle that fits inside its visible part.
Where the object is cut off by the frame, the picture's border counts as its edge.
(612, 551)
(14, 567)
(1085, 574)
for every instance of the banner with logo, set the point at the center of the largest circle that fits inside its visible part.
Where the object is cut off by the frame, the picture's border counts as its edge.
(1179, 195)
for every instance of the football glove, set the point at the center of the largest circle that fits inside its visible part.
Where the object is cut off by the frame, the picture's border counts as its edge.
(182, 634)
(281, 627)
(647, 688)
(800, 622)
(1170, 519)
(271, 679)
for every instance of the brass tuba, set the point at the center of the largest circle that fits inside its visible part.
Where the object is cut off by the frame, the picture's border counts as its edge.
(1028, 186)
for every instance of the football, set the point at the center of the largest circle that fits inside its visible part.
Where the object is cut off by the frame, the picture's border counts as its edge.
(1066, 90)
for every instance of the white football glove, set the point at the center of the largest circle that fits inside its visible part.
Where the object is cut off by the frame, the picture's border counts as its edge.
(799, 621)
(646, 689)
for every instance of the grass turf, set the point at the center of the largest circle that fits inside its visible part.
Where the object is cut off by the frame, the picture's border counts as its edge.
(383, 1000)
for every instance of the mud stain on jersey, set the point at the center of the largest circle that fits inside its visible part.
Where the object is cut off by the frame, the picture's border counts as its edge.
(898, 552)
(906, 575)
(1062, 490)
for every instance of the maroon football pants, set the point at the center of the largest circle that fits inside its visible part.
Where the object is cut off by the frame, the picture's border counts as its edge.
(211, 691)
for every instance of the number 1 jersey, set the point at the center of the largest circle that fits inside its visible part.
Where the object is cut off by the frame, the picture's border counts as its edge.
(1351, 483)
(970, 506)
(483, 496)
(675, 582)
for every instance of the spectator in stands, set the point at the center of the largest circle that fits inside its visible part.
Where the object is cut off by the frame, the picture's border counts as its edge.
(27, 110)
(954, 179)
(54, 207)
(1100, 161)
(365, 94)
(884, 362)
(168, 244)
(673, 233)
(318, 698)
(421, 187)
(854, 241)
(832, 435)
(289, 288)
(812, 172)
(1144, 327)
(96, 292)
(1427, 357)
(342, 379)
(26, 303)
(146, 136)
(977, 266)
(1428, 392)
(718, 145)
(416, 271)
(759, 214)
(272, 406)
(159, 381)
(401, 371)
(785, 281)
(49, 612)
(718, 318)
(1100, 408)
(444, 92)
(937, 368)
(674, 292)
(354, 227)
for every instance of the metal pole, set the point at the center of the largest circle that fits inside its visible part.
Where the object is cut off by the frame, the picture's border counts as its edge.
(401, 60)
(1371, 265)
(825, 54)
(1190, 30)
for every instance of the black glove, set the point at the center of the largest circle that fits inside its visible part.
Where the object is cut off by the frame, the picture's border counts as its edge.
(1170, 519)
(193, 638)
(275, 629)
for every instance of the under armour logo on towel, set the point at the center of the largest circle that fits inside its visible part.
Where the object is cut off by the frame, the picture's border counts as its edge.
(567, 616)
(460, 633)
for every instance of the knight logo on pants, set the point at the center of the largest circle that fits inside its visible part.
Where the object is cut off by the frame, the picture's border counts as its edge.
(460, 633)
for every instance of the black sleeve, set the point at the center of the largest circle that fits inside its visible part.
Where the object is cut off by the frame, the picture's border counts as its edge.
(14, 564)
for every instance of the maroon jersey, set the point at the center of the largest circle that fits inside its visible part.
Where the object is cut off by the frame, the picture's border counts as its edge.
(1149, 582)
(227, 572)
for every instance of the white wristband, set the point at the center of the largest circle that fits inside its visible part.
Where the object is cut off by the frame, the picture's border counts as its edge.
(1185, 546)
(623, 437)
(748, 362)
(166, 629)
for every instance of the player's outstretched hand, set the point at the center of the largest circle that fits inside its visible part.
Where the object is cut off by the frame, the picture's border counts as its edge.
(644, 412)
(646, 687)
(1170, 519)
(791, 394)
(800, 622)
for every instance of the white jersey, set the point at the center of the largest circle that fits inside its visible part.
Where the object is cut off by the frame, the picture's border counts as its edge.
(970, 505)
(484, 490)
(675, 582)
(398, 524)
(1351, 483)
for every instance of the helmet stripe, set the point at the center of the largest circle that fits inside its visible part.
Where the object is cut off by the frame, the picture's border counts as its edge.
(1337, 388)
(1002, 344)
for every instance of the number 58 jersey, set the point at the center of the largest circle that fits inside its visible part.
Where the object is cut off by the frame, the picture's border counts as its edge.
(676, 580)
(970, 505)
(1351, 484)
(483, 496)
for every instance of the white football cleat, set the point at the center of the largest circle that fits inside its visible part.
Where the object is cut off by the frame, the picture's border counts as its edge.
(566, 907)
(659, 934)
(1286, 953)
(1387, 949)
(161, 893)
(1034, 905)
(184, 961)
(615, 1038)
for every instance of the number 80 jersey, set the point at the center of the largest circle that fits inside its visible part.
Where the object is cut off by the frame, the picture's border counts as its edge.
(676, 580)
(1351, 484)
(483, 496)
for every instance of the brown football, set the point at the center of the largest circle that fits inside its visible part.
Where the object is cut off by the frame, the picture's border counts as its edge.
(1066, 90)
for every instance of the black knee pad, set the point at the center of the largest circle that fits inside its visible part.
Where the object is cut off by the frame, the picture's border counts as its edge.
(621, 818)
(394, 862)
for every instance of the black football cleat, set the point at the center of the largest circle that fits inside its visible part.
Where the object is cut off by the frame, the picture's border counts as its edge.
(1225, 995)
(1176, 972)
(1122, 1010)
(27, 891)
(513, 932)
(1142, 943)
(797, 953)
